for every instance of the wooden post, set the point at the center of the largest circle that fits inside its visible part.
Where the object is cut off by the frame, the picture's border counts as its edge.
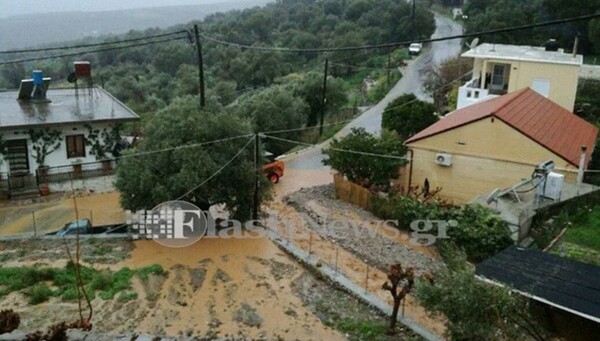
(324, 99)
(34, 224)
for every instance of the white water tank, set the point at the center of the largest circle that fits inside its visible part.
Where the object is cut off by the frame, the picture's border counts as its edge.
(554, 185)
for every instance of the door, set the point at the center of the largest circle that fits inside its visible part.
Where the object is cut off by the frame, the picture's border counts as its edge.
(17, 156)
(498, 78)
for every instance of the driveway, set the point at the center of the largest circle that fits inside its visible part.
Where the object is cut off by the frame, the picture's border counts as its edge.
(411, 82)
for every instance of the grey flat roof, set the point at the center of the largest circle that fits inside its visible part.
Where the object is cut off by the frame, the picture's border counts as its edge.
(523, 53)
(563, 283)
(64, 107)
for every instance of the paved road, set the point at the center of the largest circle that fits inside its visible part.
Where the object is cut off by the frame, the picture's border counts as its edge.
(411, 82)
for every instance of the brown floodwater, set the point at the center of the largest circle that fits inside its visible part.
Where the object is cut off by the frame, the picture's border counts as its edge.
(254, 276)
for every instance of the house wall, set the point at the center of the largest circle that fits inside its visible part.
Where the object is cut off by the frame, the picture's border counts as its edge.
(563, 77)
(486, 155)
(59, 156)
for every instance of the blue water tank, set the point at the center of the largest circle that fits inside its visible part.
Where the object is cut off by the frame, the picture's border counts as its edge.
(38, 77)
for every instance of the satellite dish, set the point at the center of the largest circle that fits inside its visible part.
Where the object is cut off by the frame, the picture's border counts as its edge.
(473, 43)
(72, 78)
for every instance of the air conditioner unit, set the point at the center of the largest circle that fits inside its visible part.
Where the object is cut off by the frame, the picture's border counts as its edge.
(554, 185)
(444, 160)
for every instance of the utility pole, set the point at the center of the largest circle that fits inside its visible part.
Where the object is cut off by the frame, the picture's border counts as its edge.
(324, 102)
(412, 15)
(256, 176)
(200, 67)
(389, 66)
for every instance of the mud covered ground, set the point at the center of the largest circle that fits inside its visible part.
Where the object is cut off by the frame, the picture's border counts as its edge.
(229, 289)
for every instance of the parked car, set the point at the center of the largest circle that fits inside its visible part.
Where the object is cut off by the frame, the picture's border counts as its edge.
(70, 229)
(415, 48)
(84, 226)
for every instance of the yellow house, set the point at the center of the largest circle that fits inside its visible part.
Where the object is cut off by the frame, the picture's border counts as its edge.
(495, 144)
(500, 69)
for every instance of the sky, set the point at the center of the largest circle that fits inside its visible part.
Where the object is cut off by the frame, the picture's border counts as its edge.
(19, 7)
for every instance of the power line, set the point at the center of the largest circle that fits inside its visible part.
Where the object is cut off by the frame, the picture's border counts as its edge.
(187, 146)
(219, 170)
(363, 67)
(91, 51)
(352, 119)
(306, 128)
(388, 45)
(338, 149)
(207, 179)
(44, 49)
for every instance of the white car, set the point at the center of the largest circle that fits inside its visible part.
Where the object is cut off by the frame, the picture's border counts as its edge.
(415, 48)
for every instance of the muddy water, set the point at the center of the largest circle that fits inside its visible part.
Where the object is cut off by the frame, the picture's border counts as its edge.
(102, 209)
(295, 179)
(210, 282)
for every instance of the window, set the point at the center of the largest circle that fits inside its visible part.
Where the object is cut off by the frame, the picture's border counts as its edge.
(75, 146)
(541, 86)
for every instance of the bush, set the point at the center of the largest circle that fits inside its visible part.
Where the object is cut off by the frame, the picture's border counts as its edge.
(407, 115)
(366, 170)
(144, 272)
(474, 309)
(39, 293)
(127, 296)
(479, 232)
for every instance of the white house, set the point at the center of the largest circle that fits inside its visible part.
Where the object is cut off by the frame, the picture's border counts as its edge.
(59, 130)
(500, 69)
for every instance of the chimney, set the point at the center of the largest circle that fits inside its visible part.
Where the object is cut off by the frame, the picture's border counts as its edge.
(581, 169)
(575, 46)
(551, 45)
(83, 70)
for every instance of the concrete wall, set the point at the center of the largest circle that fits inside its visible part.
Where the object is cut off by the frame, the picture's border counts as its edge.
(487, 154)
(563, 77)
(59, 156)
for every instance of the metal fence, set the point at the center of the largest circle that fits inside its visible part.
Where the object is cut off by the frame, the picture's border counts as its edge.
(75, 172)
(15, 185)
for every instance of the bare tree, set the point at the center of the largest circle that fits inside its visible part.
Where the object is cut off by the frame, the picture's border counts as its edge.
(400, 283)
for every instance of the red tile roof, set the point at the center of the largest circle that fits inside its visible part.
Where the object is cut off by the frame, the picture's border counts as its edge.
(532, 114)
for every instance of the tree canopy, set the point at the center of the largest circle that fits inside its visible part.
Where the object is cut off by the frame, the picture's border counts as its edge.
(147, 180)
(485, 15)
(407, 115)
(275, 108)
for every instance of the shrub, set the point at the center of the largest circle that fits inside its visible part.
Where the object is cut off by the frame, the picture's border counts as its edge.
(479, 232)
(39, 293)
(365, 169)
(127, 296)
(144, 272)
(474, 309)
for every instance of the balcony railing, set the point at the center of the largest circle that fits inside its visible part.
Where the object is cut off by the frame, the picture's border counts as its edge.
(75, 172)
(471, 93)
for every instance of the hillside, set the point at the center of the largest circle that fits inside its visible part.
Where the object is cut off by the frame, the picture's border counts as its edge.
(37, 29)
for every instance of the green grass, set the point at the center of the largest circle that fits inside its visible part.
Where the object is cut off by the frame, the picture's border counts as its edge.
(363, 330)
(585, 230)
(144, 272)
(104, 283)
(39, 293)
